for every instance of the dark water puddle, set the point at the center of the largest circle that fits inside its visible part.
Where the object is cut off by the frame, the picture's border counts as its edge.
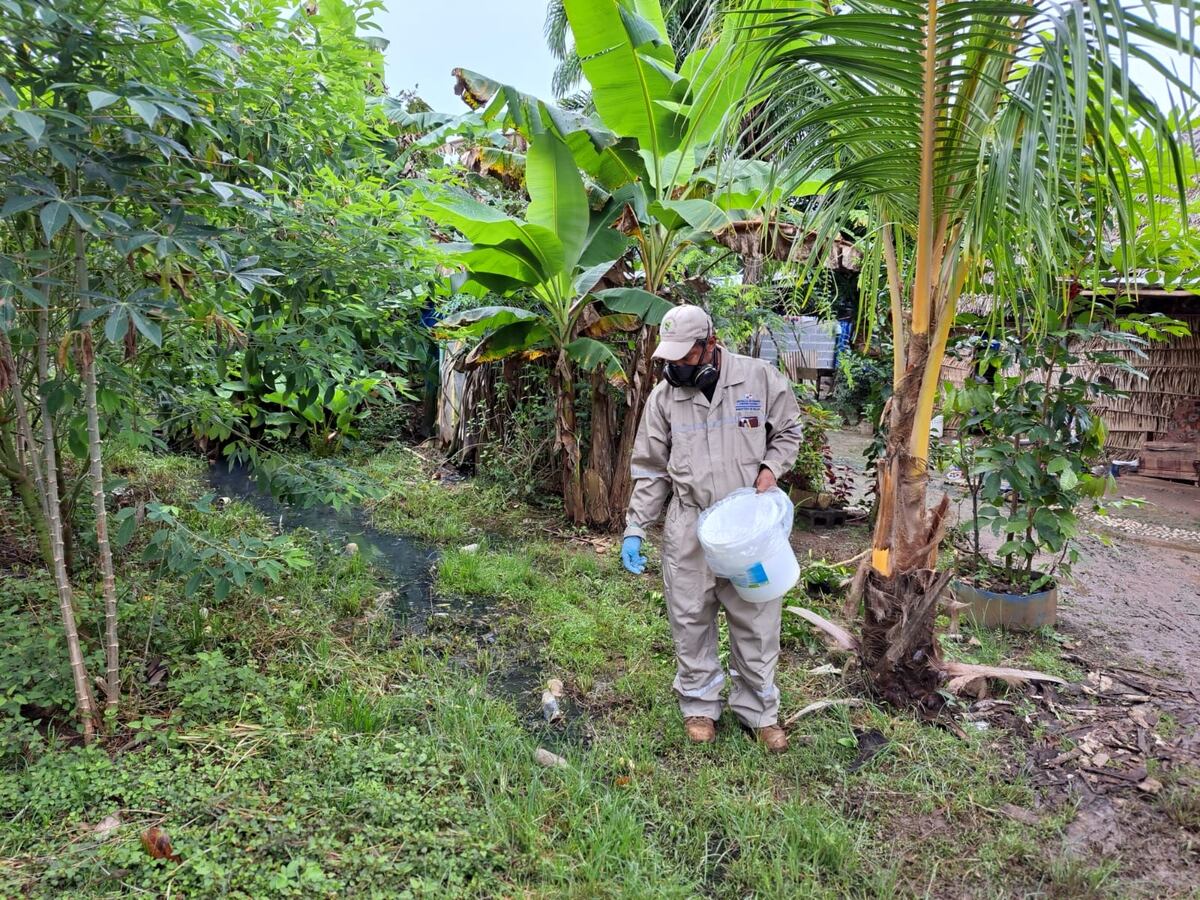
(410, 562)
(416, 607)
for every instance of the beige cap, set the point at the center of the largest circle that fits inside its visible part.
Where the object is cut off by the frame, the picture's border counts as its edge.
(680, 329)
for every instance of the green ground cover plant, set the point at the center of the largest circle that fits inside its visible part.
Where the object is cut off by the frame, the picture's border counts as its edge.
(306, 731)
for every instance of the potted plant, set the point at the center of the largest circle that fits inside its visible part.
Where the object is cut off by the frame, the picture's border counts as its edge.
(815, 481)
(1027, 441)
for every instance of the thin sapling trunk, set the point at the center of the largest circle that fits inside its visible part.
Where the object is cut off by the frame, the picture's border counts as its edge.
(87, 365)
(79, 676)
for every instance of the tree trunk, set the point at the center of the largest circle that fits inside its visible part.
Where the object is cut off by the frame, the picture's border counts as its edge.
(902, 587)
(66, 514)
(641, 380)
(87, 365)
(566, 439)
(83, 693)
(19, 476)
(597, 478)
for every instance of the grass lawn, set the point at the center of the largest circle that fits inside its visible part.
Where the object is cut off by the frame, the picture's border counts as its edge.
(301, 744)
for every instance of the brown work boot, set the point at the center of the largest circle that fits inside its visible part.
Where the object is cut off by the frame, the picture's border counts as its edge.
(773, 738)
(700, 729)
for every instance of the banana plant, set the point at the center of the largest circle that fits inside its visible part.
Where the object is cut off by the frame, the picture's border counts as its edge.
(553, 257)
(649, 149)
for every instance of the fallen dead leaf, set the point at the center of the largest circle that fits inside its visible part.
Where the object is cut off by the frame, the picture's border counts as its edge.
(963, 673)
(1150, 786)
(820, 705)
(835, 635)
(107, 825)
(1019, 814)
(158, 844)
(827, 669)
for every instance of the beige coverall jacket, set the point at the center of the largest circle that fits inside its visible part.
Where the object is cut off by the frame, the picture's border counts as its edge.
(700, 452)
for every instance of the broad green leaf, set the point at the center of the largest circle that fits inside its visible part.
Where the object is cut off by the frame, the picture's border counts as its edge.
(591, 355)
(475, 322)
(635, 301)
(143, 108)
(630, 66)
(54, 216)
(193, 44)
(558, 200)
(588, 278)
(510, 259)
(126, 527)
(100, 99)
(702, 215)
(1068, 480)
(517, 338)
(148, 327)
(34, 126)
(116, 324)
(14, 205)
(483, 225)
(604, 243)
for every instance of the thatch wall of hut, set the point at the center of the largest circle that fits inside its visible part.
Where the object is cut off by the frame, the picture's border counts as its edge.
(1146, 404)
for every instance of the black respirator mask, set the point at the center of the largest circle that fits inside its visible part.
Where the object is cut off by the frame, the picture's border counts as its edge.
(702, 375)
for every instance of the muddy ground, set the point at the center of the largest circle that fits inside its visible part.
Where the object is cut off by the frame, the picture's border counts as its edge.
(1117, 752)
(1135, 591)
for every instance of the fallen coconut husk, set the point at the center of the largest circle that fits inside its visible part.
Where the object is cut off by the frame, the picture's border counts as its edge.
(835, 635)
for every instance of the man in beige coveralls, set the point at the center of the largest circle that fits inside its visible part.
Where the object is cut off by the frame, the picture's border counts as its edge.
(718, 422)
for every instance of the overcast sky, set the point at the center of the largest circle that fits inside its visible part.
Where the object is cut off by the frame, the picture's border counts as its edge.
(504, 41)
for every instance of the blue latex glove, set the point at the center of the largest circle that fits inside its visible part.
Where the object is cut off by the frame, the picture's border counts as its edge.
(631, 555)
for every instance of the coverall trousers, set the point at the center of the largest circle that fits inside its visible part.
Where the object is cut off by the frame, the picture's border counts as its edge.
(694, 597)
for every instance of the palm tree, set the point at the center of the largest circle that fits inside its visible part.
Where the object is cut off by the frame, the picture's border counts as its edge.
(975, 137)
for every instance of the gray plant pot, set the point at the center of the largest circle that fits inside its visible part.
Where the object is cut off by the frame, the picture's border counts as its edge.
(1018, 612)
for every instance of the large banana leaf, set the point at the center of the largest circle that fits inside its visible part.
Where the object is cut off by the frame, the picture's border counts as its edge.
(637, 302)
(485, 226)
(508, 259)
(604, 243)
(751, 184)
(702, 215)
(558, 201)
(524, 338)
(630, 66)
(471, 323)
(591, 355)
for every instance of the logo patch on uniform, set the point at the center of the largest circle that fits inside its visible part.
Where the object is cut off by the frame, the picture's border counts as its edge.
(748, 404)
(747, 421)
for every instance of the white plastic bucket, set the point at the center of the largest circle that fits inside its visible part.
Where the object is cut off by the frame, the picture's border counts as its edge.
(745, 538)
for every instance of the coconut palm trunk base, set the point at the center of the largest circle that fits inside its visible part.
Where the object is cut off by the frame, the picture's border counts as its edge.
(898, 648)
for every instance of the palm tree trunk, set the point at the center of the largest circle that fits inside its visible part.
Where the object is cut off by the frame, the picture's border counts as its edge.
(83, 694)
(87, 365)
